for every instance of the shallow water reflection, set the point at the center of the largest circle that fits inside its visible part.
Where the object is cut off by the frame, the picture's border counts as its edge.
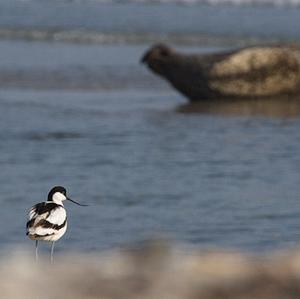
(286, 107)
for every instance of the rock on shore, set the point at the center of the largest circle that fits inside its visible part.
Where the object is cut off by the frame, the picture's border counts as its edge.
(254, 72)
(155, 272)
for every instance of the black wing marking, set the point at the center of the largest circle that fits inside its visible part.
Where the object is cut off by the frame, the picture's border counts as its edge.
(39, 209)
(44, 207)
(46, 224)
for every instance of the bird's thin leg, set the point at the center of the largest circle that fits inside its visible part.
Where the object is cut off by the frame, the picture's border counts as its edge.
(52, 249)
(36, 250)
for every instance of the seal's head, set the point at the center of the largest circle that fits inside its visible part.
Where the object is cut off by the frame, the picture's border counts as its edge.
(157, 57)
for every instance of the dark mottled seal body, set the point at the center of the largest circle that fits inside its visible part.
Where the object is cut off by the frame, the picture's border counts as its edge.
(254, 72)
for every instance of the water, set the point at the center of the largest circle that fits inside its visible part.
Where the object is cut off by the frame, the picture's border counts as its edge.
(78, 109)
(91, 21)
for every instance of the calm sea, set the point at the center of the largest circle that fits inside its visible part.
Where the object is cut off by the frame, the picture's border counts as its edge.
(79, 110)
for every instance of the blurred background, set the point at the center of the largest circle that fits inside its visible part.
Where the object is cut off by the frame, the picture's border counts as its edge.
(79, 110)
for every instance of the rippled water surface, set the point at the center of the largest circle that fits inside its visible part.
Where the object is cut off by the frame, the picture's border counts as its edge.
(147, 170)
(89, 116)
(90, 21)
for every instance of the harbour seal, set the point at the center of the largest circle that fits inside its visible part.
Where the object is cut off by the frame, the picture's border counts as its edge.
(253, 72)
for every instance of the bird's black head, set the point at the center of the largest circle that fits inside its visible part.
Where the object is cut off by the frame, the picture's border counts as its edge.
(57, 189)
(58, 194)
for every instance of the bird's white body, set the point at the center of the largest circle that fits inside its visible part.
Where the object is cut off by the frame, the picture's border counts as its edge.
(47, 222)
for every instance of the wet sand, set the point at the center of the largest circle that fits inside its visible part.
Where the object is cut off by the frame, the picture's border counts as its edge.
(155, 271)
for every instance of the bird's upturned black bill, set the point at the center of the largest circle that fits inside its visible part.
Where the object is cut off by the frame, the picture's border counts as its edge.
(76, 202)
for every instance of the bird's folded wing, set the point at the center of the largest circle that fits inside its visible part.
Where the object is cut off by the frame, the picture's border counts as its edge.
(46, 217)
